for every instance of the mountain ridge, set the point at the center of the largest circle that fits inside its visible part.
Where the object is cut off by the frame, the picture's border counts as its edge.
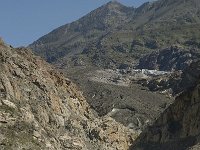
(126, 32)
(91, 22)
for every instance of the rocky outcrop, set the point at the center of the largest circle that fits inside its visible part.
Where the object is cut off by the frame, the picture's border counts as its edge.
(189, 78)
(178, 127)
(173, 58)
(41, 109)
(166, 84)
(176, 82)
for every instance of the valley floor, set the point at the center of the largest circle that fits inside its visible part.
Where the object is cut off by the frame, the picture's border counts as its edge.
(116, 93)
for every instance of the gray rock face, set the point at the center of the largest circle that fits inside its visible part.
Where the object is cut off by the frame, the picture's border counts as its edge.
(189, 77)
(178, 127)
(173, 58)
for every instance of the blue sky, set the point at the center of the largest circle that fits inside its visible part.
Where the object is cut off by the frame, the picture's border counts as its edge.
(24, 21)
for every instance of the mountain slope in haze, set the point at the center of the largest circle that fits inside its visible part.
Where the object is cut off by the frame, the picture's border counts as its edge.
(114, 34)
(168, 22)
(72, 38)
(41, 109)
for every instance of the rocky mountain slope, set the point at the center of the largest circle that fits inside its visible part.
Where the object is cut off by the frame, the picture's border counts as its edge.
(178, 127)
(74, 39)
(41, 109)
(116, 36)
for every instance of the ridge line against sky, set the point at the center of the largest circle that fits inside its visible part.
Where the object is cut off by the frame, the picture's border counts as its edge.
(23, 22)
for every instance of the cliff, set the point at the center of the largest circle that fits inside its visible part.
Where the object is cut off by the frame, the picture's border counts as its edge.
(41, 109)
(178, 127)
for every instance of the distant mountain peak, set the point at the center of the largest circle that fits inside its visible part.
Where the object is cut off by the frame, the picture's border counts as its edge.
(114, 3)
(114, 6)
